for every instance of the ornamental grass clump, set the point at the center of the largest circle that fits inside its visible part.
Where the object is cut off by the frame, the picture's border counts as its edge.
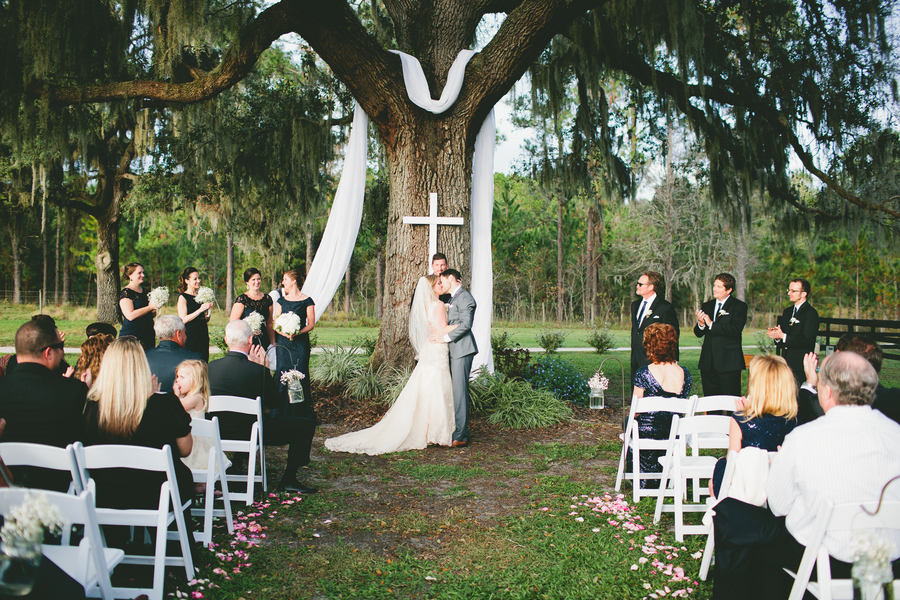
(335, 365)
(513, 403)
(561, 378)
(394, 383)
(367, 382)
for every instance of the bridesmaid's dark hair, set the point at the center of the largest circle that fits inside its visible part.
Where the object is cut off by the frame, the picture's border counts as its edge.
(294, 274)
(250, 273)
(130, 268)
(183, 278)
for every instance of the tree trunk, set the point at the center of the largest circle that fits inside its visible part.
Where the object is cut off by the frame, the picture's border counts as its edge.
(347, 292)
(379, 277)
(69, 234)
(45, 236)
(229, 271)
(13, 228)
(560, 306)
(107, 263)
(56, 258)
(309, 245)
(742, 258)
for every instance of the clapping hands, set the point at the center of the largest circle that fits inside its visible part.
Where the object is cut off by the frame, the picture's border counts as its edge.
(258, 355)
(703, 319)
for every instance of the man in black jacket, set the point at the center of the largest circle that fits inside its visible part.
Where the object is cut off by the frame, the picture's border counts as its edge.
(241, 372)
(651, 308)
(165, 358)
(795, 333)
(40, 406)
(720, 322)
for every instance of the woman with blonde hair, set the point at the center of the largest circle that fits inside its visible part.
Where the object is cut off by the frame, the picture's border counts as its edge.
(192, 388)
(766, 414)
(124, 408)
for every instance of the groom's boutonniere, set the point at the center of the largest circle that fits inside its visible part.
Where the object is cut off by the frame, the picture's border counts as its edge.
(795, 321)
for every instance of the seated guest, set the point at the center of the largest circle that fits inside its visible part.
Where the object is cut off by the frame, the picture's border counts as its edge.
(241, 372)
(95, 328)
(39, 405)
(192, 388)
(766, 415)
(887, 400)
(125, 410)
(48, 322)
(846, 456)
(87, 369)
(665, 378)
(170, 352)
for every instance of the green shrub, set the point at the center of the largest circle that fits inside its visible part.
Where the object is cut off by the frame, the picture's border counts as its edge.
(217, 337)
(367, 382)
(512, 362)
(395, 381)
(501, 340)
(601, 339)
(551, 341)
(514, 403)
(561, 378)
(366, 342)
(336, 365)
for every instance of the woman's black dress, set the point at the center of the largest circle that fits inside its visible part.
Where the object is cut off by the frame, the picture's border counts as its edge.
(142, 327)
(294, 354)
(263, 306)
(196, 330)
(654, 425)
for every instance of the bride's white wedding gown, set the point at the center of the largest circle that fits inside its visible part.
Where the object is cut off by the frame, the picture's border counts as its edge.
(423, 412)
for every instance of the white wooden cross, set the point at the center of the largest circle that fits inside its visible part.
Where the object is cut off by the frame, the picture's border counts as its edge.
(432, 220)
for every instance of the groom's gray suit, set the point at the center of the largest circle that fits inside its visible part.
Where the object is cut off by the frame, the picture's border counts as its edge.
(462, 352)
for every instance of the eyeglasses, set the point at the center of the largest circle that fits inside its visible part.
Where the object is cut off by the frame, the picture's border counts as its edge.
(56, 346)
(790, 291)
(642, 284)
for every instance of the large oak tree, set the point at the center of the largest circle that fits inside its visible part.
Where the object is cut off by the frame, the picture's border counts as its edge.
(752, 78)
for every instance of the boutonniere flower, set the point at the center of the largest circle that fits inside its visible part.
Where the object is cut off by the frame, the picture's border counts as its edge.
(723, 313)
(795, 321)
(648, 313)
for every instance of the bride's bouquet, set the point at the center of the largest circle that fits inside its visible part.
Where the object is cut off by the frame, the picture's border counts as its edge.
(159, 296)
(288, 324)
(255, 321)
(205, 294)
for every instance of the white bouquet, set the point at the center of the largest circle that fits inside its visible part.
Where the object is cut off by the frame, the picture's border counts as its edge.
(292, 376)
(255, 321)
(288, 324)
(159, 296)
(27, 522)
(205, 294)
(598, 381)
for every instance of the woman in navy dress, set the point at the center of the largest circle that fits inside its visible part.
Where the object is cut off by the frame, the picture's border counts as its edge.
(137, 311)
(293, 352)
(194, 315)
(255, 301)
(767, 414)
(664, 378)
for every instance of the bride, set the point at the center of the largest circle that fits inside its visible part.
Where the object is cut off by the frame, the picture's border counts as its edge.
(423, 412)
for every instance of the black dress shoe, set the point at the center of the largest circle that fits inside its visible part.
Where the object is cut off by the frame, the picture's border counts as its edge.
(296, 486)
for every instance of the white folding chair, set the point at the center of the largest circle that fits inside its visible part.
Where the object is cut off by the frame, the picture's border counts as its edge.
(723, 493)
(252, 447)
(633, 439)
(833, 518)
(678, 467)
(112, 456)
(710, 440)
(15, 454)
(89, 563)
(214, 472)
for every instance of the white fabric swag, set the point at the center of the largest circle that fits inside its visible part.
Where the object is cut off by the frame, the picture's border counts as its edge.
(336, 249)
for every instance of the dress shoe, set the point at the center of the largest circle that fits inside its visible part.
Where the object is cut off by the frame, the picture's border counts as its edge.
(459, 443)
(296, 486)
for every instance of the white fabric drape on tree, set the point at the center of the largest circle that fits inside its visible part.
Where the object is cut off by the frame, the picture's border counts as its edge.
(336, 249)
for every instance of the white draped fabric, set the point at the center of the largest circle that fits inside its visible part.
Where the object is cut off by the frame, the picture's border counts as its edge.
(334, 253)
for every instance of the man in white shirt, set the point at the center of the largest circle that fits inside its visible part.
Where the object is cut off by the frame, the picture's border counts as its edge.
(845, 456)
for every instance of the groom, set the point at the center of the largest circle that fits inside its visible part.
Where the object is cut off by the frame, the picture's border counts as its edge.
(462, 350)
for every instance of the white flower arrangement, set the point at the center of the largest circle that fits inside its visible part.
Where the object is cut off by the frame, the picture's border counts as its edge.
(871, 547)
(159, 296)
(598, 381)
(28, 521)
(292, 376)
(288, 324)
(255, 321)
(205, 294)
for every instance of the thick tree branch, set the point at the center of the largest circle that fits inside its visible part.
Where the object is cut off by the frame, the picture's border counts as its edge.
(237, 63)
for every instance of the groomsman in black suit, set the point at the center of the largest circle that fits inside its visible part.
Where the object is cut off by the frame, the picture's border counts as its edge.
(795, 333)
(720, 322)
(650, 309)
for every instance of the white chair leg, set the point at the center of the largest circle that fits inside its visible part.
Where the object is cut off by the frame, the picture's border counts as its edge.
(707, 554)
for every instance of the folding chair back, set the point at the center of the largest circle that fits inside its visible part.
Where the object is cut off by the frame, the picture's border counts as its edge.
(89, 563)
(721, 402)
(632, 439)
(252, 447)
(214, 472)
(15, 454)
(678, 468)
(112, 456)
(834, 518)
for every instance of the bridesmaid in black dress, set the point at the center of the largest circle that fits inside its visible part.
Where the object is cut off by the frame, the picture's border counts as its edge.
(293, 352)
(137, 311)
(194, 315)
(255, 301)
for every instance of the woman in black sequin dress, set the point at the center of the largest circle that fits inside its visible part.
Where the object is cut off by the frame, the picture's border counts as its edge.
(255, 301)
(663, 378)
(137, 311)
(194, 315)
